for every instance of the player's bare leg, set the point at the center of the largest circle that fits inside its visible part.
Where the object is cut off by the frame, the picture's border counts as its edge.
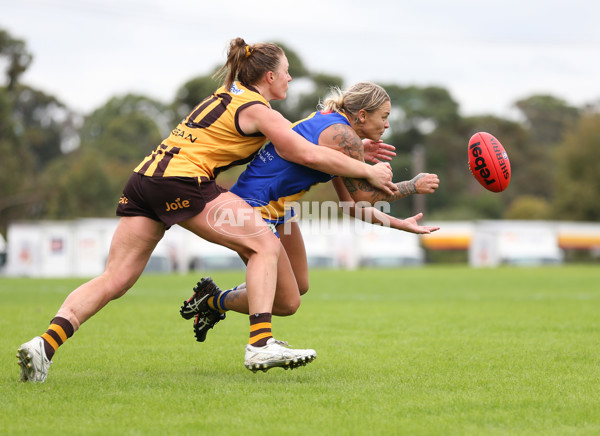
(131, 246)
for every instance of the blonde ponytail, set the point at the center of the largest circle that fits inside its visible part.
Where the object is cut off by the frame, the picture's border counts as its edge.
(363, 95)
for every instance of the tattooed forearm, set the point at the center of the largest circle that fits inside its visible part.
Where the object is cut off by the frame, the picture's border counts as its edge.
(357, 186)
(406, 188)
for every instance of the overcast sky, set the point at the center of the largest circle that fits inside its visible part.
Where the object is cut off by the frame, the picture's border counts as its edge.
(487, 54)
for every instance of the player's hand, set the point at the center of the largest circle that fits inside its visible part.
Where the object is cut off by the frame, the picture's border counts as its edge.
(381, 178)
(426, 183)
(413, 226)
(377, 151)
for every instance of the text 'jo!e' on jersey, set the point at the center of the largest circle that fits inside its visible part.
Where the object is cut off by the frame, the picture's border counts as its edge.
(269, 181)
(209, 139)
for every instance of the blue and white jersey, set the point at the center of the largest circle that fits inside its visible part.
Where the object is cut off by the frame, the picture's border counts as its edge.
(269, 181)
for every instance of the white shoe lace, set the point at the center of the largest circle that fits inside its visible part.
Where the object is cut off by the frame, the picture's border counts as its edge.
(282, 343)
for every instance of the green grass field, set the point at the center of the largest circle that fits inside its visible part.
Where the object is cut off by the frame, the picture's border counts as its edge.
(426, 351)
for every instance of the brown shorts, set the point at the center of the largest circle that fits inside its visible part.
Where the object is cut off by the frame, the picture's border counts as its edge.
(169, 200)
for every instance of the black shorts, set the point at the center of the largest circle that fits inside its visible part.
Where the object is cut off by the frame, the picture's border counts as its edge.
(169, 200)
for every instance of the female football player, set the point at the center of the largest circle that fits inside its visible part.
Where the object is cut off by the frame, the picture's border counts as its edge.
(175, 184)
(270, 182)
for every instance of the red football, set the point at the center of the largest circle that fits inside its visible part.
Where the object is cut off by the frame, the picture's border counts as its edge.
(489, 162)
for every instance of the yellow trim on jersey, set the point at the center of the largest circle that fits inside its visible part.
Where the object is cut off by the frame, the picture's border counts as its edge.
(276, 208)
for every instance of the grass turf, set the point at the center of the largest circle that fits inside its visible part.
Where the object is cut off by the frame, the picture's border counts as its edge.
(434, 350)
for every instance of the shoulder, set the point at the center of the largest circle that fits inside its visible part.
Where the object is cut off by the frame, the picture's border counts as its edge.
(258, 112)
(255, 117)
(343, 138)
(246, 93)
(320, 127)
(339, 132)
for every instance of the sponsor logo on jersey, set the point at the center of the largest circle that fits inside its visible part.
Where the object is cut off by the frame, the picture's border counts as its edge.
(235, 90)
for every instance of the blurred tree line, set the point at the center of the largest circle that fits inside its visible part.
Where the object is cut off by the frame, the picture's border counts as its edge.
(57, 164)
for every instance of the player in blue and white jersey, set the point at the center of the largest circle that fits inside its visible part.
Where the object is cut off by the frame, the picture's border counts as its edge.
(351, 122)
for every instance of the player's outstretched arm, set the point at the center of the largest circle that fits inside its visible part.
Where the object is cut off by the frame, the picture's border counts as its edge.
(365, 212)
(361, 190)
(343, 138)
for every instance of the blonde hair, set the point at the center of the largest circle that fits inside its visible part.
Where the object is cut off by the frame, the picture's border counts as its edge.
(363, 95)
(249, 63)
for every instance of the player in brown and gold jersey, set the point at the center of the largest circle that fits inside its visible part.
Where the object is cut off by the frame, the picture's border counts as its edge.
(175, 184)
(272, 185)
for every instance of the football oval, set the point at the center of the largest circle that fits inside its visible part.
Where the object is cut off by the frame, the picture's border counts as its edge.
(488, 162)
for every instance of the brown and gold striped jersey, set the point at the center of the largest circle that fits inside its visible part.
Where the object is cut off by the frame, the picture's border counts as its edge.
(209, 139)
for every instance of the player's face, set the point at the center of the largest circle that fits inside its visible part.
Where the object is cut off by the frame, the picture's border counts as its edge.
(281, 78)
(377, 122)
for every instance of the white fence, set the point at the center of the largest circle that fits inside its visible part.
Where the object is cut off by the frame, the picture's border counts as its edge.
(80, 247)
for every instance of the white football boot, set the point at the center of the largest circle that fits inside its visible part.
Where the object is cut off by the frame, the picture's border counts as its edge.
(33, 361)
(275, 354)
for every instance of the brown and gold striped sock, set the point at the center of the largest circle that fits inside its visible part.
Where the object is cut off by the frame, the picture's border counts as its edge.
(260, 329)
(59, 331)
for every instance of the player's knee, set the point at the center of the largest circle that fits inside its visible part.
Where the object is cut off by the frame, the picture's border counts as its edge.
(286, 308)
(264, 247)
(117, 285)
(303, 287)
